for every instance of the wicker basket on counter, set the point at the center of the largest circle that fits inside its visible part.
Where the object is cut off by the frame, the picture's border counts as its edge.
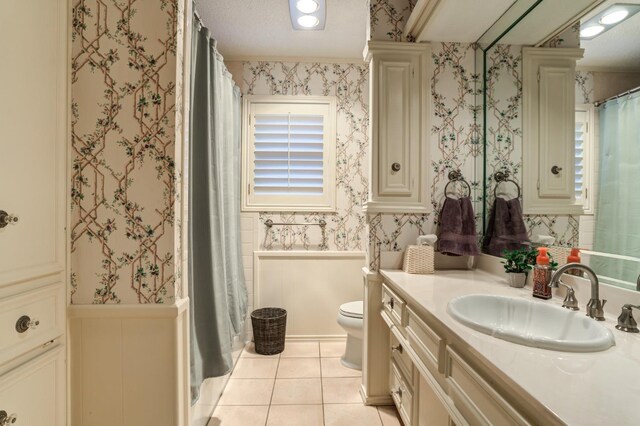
(419, 260)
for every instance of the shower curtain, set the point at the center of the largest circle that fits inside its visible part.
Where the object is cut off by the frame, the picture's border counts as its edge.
(617, 227)
(217, 291)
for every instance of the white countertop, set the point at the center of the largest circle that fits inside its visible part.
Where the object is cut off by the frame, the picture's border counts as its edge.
(598, 388)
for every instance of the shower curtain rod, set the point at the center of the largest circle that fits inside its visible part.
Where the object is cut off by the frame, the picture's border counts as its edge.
(628, 92)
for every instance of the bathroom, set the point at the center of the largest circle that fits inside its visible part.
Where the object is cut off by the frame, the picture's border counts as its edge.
(140, 227)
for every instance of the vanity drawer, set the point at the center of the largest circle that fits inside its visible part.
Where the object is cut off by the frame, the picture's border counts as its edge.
(31, 319)
(475, 398)
(394, 307)
(401, 392)
(399, 353)
(426, 343)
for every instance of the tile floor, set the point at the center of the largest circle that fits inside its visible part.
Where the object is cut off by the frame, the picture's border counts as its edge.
(305, 385)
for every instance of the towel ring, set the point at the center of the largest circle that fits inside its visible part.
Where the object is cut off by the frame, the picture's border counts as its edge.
(500, 177)
(456, 176)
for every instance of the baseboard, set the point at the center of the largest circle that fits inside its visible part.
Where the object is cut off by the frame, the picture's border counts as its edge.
(316, 338)
(375, 400)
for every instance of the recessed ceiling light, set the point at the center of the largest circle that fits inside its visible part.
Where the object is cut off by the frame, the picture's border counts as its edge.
(591, 31)
(308, 21)
(307, 6)
(613, 17)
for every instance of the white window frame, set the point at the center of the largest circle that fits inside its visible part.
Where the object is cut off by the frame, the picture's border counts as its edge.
(289, 203)
(589, 155)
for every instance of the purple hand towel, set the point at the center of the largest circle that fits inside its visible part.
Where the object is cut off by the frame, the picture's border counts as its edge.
(457, 230)
(506, 229)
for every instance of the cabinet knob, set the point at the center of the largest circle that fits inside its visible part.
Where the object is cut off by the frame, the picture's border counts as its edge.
(396, 167)
(390, 303)
(6, 419)
(7, 219)
(25, 323)
(397, 348)
(555, 170)
(398, 392)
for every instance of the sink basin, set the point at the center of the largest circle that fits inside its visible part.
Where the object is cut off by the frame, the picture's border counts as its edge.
(531, 323)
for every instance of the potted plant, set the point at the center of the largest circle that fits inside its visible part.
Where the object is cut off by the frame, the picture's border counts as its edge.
(517, 264)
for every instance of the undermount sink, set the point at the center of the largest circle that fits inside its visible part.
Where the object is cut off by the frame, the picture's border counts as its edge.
(531, 323)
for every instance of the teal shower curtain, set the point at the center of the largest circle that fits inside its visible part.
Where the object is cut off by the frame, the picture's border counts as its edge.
(217, 291)
(617, 227)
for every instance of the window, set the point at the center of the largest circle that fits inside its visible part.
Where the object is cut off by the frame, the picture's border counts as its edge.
(289, 153)
(585, 145)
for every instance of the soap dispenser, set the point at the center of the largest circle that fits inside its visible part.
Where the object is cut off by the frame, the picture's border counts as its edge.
(542, 275)
(574, 257)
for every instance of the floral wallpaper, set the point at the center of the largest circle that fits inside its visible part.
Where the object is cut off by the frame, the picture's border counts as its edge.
(123, 174)
(570, 37)
(387, 19)
(584, 87)
(346, 229)
(454, 142)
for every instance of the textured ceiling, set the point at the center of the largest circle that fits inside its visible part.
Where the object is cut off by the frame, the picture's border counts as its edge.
(618, 48)
(263, 28)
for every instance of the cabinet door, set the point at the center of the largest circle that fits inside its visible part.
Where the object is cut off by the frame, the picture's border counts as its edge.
(34, 392)
(431, 411)
(33, 132)
(397, 119)
(548, 94)
(556, 109)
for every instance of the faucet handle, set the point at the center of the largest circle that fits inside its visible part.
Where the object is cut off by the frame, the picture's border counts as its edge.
(626, 322)
(595, 309)
(570, 301)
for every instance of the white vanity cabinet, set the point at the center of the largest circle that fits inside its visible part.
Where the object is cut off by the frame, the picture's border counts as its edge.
(548, 93)
(398, 114)
(434, 380)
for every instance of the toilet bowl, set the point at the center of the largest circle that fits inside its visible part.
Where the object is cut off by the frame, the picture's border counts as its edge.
(350, 319)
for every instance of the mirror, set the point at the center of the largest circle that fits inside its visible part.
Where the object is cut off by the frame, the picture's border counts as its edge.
(607, 121)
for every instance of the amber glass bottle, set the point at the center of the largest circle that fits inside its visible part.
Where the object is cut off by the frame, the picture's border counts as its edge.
(542, 275)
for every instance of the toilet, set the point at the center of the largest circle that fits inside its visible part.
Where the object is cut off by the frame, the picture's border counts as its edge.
(350, 319)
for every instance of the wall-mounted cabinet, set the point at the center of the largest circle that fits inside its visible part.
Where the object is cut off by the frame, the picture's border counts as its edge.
(549, 130)
(398, 127)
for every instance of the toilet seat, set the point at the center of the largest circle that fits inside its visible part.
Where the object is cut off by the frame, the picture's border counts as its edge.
(352, 309)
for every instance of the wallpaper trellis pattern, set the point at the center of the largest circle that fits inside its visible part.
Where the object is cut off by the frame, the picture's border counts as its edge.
(387, 19)
(122, 151)
(346, 229)
(454, 144)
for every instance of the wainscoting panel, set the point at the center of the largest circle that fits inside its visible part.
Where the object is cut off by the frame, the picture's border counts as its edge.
(130, 367)
(311, 286)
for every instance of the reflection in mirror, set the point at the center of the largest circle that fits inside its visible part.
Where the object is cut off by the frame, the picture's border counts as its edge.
(607, 158)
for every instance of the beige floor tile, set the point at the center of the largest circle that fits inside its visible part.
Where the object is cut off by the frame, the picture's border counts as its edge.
(297, 391)
(255, 368)
(332, 349)
(250, 352)
(200, 414)
(295, 415)
(350, 415)
(301, 350)
(239, 415)
(331, 367)
(341, 390)
(298, 368)
(389, 415)
(247, 392)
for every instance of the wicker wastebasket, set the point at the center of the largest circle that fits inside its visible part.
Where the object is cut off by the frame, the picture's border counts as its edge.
(269, 329)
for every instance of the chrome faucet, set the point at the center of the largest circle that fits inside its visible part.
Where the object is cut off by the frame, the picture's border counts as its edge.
(595, 306)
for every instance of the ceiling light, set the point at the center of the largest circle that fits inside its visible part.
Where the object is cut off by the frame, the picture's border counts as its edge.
(591, 31)
(612, 17)
(307, 6)
(308, 21)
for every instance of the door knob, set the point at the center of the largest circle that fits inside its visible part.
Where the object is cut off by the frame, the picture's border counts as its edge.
(7, 219)
(25, 323)
(395, 167)
(555, 170)
(6, 419)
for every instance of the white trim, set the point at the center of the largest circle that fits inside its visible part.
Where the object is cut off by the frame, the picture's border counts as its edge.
(291, 59)
(589, 155)
(129, 311)
(375, 400)
(316, 338)
(302, 254)
(290, 203)
(420, 18)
